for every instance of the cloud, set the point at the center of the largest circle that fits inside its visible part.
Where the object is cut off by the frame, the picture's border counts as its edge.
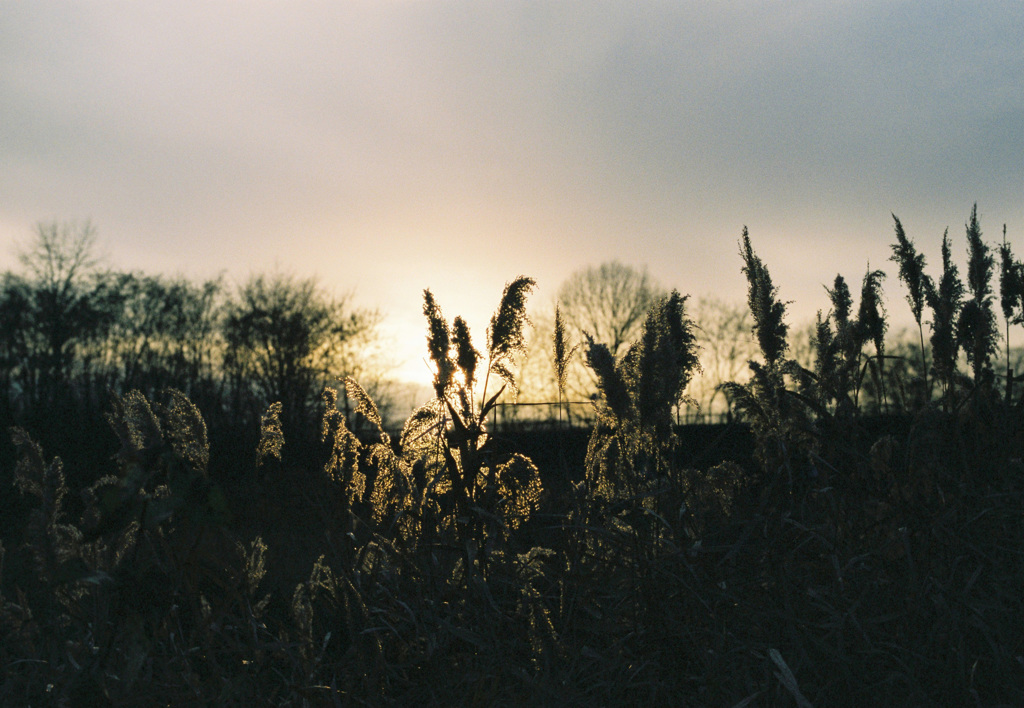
(366, 139)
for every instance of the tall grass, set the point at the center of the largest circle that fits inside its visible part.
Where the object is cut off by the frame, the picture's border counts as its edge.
(918, 283)
(844, 561)
(1011, 301)
(976, 327)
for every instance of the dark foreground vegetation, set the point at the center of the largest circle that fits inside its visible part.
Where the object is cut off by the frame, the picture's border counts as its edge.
(809, 555)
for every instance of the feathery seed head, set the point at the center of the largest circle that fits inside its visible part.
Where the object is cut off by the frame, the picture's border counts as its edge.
(667, 359)
(945, 303)
(609, 377)
(871, 315)
(505, 335)
(562, 357)
(364, 404)
(439, 344)
(912, 273)
(976, 328)
(980, 261)
(342, 465)
(185, 430)
(1011, 283)
(135, 422)
(33, 476)
(467, 357)
(766, 309)
(271, 434)
(519, 488)
(842, 301)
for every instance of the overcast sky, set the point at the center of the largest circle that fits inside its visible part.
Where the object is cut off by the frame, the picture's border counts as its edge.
(391, 146)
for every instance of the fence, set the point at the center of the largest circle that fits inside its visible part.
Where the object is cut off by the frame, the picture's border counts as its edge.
(542, 415)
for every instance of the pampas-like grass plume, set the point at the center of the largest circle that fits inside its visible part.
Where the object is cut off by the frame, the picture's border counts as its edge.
(505, 334)
(912, 273)
(1011, 300)
(609, 379)
(342, 464)
(519, 490)
(945, 302)
(779, 423)
(1011, 285)
(185, 430)
(666, 360)
(364, 404)
(562, 357)
(438, 343)
(466, 356)
(918, 283)
(871, 322)
(871, 314)
(135, 424)
(271, 434)
(767, 310)
(976, 328)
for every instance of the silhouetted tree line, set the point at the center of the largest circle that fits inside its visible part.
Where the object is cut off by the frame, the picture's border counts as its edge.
(72, 334)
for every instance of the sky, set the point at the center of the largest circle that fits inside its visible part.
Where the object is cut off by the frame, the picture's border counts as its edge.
(390, 146)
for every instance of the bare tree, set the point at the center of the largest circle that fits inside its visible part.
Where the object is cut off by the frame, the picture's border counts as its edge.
(726, 345)
(59, 254)
(58, 261)
(286, 339)
(163, 333)
(609, 302)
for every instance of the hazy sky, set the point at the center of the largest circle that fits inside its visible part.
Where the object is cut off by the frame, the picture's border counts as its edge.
(391, 146)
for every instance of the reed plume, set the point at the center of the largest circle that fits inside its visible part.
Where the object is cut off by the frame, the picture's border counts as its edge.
(919, 284)
(505, 337)
(1011, 300)
(976, 327)
(438, 344)
(871, 322)
(467, 357)
(768, 312)
(445, 441)
(271, 434)
(632, 444)
(778, 421)
(342, 464)
(945, 302)
(562, 355)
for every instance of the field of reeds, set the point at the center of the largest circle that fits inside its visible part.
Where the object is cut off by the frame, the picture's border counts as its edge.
(810, 555)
